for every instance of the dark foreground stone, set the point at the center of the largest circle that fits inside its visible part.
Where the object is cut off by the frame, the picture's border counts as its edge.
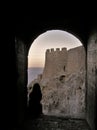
(54, 123)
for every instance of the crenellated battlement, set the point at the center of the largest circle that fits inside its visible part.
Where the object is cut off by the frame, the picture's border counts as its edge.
(55, 60)
(52, 50)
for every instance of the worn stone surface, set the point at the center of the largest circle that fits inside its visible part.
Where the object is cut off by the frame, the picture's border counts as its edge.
(55, 123)
(92, 79)
(65, 98)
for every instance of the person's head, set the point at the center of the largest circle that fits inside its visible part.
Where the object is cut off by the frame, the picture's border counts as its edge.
(36, 88)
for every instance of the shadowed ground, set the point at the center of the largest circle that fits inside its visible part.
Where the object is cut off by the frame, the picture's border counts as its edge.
(55, 123)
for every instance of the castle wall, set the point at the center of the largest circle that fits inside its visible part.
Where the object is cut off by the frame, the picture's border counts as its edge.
(54, 62)
(76, 60)
(62, 62)
(65, 95)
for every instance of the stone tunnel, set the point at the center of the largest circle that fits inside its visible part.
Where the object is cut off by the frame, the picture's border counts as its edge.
(18, 61)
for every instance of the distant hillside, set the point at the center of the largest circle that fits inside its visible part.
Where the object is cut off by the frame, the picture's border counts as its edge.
(33, 72)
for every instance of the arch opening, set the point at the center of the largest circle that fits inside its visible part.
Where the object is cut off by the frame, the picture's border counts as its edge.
(58, 54)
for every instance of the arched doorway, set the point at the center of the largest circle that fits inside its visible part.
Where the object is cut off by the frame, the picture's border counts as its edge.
(29, 33)
(69, 69)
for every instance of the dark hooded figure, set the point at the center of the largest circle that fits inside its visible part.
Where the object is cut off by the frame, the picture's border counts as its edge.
(35, 106)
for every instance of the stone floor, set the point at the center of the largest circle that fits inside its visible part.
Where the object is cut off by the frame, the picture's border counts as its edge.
(55, 123)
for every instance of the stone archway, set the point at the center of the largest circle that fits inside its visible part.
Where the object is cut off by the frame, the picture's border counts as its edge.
(79, 53)
(22, 57)
(31, 33)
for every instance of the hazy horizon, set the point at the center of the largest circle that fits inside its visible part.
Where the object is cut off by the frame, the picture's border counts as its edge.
(33, 72)
(34, 67)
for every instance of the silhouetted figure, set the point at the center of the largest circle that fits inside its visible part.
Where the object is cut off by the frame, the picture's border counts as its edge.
(35, 107)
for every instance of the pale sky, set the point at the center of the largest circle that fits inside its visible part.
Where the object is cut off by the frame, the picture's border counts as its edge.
(50, 39)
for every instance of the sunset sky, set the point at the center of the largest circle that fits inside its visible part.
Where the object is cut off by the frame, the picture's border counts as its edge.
(50, 39)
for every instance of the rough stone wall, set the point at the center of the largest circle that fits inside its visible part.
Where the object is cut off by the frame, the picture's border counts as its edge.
(21, 67)
(65, 98)
(91, 79)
